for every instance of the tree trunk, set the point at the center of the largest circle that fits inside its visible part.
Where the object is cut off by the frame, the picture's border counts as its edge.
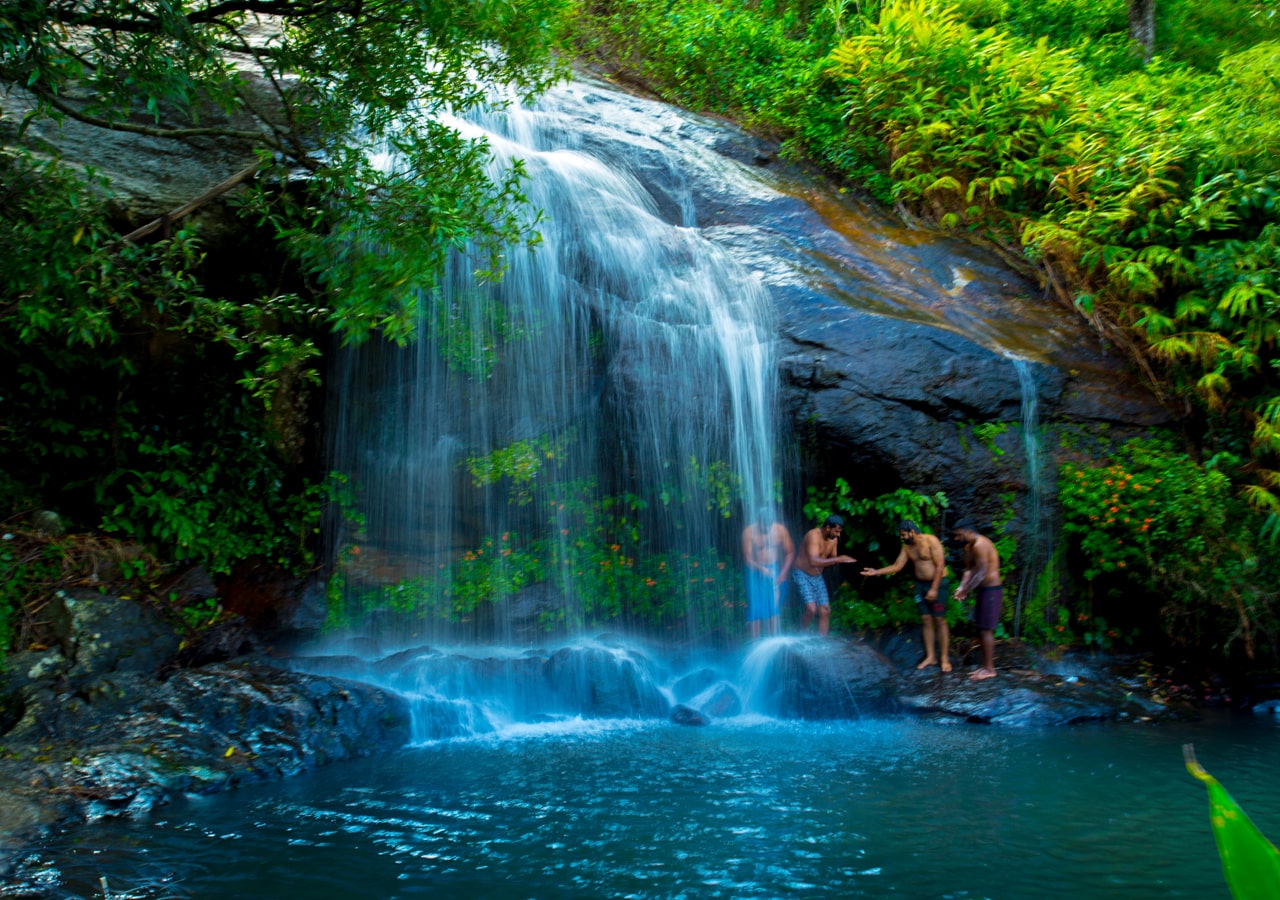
(1142, 26)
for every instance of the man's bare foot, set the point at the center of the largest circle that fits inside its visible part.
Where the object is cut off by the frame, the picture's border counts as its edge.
(928, 661)
(946, 665)
(982, 674)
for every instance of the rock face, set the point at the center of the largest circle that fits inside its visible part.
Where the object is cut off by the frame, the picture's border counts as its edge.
(93, 731)
(895, 342)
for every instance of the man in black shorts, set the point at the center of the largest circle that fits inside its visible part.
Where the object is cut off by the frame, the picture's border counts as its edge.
(930, 569)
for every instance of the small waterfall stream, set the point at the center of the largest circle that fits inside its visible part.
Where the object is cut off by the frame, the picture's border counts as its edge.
(1036, 552)
(610, 403)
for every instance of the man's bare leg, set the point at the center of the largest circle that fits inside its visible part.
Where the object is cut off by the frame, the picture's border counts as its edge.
(824, 620)
(943, 631)
(809, 610)
(926, 629)
(988, 669)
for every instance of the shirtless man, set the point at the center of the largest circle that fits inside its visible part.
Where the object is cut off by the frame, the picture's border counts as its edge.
(769, 553)
(924, 551)
(817, 552)
(982, 579)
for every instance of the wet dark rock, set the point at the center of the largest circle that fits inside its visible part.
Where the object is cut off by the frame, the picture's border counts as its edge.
(1033, 688)
(228, 638)
(98, 633)
(101, 735)
(694, 683)
(1023, 698)
(684, 715)
(827, 679)
(719, 701)
(608, 686)
(190, 586)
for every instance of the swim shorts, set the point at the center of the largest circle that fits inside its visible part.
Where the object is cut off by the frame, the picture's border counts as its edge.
(938, 607)
(813, 588)
(989, 600)
(760, 594)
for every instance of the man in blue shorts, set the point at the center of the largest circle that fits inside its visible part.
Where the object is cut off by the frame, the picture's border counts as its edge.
(818, 552)
(768, 553)
(982, 579)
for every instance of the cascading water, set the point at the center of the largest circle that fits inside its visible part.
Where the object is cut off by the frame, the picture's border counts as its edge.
(1038, 537)
(578, 441)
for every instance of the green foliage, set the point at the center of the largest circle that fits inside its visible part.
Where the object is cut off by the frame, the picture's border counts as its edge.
(871, 521)
(601, 561)
(1151, 521)
(299, 90)
(16, 575)
(987, 433)
(1046, 618)
(1146, 195)
(871, 526)
(146, 391)
(517, 464)
(198, 615)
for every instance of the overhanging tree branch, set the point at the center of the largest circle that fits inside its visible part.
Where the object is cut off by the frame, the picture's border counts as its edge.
(148, 130)
(217, 190)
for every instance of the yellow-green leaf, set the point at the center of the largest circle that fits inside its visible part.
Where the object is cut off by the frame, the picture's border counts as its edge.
(1250, 862)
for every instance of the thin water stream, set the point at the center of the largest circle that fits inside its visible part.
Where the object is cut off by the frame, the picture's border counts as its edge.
(751, 807)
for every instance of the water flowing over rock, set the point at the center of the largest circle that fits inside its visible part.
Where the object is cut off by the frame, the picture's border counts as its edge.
(805, 678)
(708, 308)
(691, 308)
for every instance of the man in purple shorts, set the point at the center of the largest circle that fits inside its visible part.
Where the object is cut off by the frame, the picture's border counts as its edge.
(982, 579)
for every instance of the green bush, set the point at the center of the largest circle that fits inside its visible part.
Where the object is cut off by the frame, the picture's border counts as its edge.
(1160, 537)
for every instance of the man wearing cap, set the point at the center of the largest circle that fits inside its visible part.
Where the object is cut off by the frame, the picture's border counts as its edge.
(982, 579)
(930, 569)
(818, 552)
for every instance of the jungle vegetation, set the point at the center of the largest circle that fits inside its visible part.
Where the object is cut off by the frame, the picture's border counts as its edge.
(1137, 181)
(163, 398)
(154, 398)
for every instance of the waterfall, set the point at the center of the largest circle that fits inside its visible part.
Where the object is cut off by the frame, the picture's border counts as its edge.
(579, 440)
(1037, 534)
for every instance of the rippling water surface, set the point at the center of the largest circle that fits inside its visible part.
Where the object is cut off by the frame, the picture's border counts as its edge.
(754, 808)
